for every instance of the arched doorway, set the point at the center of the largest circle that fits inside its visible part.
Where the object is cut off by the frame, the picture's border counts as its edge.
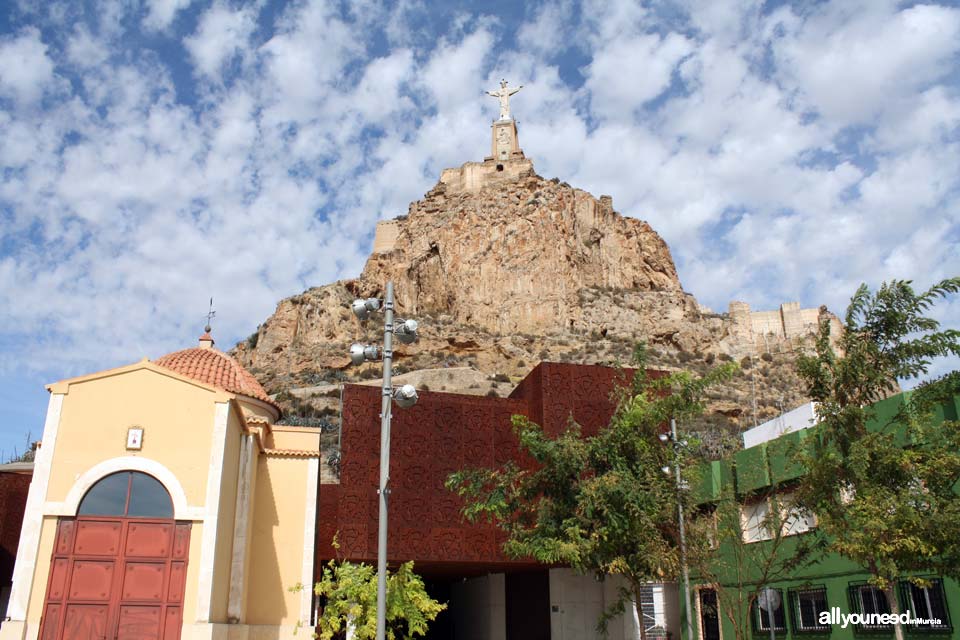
(119, 566)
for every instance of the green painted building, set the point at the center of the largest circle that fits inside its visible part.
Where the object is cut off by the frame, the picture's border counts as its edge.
(759, 479)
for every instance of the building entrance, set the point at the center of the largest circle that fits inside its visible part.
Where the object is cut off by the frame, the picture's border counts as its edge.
(118, 568)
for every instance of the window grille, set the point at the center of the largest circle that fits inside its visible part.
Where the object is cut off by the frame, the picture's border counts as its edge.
(805, 608)
(867, 599)
(761, 618)
(926, 603)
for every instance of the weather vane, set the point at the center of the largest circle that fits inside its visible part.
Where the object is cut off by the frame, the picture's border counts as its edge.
(211, 314)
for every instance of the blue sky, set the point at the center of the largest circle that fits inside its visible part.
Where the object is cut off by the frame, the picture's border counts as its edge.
(156, 153)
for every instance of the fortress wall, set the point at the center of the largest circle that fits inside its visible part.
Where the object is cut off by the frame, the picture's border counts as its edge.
(473, 176)
(385, 238)
(789, 321)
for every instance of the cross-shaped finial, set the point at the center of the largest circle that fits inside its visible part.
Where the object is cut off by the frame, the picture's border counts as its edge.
(211, 314)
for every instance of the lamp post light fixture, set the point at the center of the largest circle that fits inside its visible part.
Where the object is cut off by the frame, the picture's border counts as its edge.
(681, 486)
(405, 397)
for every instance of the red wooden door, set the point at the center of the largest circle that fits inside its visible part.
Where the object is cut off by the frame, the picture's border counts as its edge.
(118, 576)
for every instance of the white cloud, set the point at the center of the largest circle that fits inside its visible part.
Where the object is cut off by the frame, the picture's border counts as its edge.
(222, 34)
(850, 63)
(161, 13)
(627, 73)
(25, 69)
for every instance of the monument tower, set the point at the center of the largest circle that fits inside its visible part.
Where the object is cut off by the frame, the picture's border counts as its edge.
(505, 145)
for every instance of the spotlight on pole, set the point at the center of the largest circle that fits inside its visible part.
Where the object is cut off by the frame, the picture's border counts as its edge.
(406, 331)
(360, 353)
(406, 396)
(666, 469)
(363, 308)
(664, 438)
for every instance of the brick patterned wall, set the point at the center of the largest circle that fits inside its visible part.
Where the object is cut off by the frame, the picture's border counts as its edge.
(445, 432)
(13, 502)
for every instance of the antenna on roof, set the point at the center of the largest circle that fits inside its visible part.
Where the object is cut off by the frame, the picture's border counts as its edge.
(211, 314)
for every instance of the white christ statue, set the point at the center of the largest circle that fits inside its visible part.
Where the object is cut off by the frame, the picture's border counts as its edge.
(504, 95)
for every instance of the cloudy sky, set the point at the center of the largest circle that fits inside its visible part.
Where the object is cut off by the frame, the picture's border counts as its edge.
(155, 153)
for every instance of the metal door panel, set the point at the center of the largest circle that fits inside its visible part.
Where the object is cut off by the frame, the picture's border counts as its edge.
(139, 622)
(85, 622)
(171, 623)
(149, 540)
(58, 577)
(98, 538)
(181, 541)
(91, 580)
(51, 622)
(65, 536)
(178, 572)
(143, 581)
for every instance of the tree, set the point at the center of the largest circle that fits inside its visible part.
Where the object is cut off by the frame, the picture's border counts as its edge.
(598, 504)
(350, 593)
(884, 491)
(738, 569)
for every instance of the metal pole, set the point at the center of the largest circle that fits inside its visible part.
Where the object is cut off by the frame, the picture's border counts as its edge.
(770, 622)
(683, 536)
(384, 463)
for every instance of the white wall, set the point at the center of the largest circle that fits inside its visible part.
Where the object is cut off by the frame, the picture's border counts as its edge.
(576, 603)
(479, 608)
(803, 417)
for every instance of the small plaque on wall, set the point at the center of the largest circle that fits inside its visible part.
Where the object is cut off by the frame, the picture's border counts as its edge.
(135, 438)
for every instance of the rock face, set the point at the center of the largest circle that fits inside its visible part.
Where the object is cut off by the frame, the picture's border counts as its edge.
(515, 257)
(503, 269)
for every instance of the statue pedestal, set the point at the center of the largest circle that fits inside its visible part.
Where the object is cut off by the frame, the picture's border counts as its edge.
(504, 143)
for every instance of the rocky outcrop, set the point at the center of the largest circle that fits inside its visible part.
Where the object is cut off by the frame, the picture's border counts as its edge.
(517, 269)
(515, 257)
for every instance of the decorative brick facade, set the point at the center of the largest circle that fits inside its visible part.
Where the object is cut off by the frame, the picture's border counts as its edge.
(443, 433)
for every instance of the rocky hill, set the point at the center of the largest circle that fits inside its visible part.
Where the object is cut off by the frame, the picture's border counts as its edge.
(503, 269)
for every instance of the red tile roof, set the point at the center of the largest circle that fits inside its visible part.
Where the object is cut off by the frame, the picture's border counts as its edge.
(215, 368)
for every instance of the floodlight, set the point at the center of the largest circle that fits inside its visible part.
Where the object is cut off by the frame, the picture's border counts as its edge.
(664, 437)
(360, 353)
(406, 396)
(406, 331)
(363, 308)
(665, 469)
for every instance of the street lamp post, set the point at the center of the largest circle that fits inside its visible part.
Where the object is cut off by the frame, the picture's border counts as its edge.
(406, 396)
(680, 524)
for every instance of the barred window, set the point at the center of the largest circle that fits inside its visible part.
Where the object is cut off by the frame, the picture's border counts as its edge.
(867, 599)
(806, 605)
(761, 617)
(928, 604)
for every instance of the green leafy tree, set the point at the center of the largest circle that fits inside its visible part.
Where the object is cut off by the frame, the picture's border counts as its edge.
(885, 497)
(349, 590)
(734, 566)
(598, 504)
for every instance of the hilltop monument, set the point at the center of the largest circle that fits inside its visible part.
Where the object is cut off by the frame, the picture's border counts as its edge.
(503, 94)
(505, 145)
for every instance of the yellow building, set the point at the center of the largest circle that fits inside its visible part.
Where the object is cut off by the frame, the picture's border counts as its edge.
(166, 503)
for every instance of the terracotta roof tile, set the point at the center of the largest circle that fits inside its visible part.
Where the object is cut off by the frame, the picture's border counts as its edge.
(215, 368)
